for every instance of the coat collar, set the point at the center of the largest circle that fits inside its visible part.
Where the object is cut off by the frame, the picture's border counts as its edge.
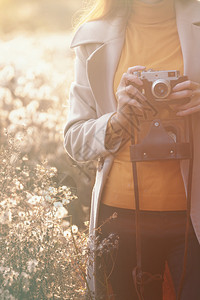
(99, 31)
(103, 31)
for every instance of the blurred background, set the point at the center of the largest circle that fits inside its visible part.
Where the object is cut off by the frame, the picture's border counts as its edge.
(36, 70)
(37, 15)
(49, 22)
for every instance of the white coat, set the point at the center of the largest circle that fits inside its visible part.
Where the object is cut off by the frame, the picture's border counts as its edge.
(98, 45)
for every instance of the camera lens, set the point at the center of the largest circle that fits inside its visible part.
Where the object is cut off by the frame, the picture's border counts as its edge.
(161, 88)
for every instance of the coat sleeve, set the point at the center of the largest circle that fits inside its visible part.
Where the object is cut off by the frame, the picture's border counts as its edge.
(85, 132)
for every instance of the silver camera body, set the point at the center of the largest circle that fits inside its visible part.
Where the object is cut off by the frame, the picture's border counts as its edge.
(157, 85)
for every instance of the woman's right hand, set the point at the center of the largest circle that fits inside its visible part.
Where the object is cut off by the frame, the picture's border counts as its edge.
(128, 95)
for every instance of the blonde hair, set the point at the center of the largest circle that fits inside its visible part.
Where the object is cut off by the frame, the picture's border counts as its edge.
(98, 9)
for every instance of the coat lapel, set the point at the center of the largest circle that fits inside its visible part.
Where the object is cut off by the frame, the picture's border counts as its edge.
(105, 60)
(188, 25)
(108, 37)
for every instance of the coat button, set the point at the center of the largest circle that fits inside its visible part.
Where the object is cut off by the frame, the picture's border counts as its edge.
(100, 163)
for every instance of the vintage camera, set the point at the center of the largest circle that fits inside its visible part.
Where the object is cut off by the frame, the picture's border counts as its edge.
(157, 85)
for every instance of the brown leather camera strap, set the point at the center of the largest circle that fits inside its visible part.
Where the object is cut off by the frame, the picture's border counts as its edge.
(158, 145)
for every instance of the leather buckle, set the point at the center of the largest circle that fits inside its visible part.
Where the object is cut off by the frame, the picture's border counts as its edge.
(159, 145)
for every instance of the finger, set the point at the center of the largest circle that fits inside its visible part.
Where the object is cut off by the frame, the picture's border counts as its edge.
(134, 103)
(188, 111)
(135, 69)
(181, 94)
(134, 92)
(194, 102)
(127, 78)
(188, 84)
(134, 80)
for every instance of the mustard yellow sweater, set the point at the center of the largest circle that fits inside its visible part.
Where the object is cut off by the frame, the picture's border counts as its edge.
(152, 41)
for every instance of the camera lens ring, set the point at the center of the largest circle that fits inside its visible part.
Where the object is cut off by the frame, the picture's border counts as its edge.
(164, 83)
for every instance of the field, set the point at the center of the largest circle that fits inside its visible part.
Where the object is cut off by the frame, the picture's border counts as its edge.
(43, 224)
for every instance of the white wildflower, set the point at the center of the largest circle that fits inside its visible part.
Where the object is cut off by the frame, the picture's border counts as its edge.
(7, 74)
(52, 190)
(61, 213)
(53, 171)
(21, 80)
(12, 202)
(64, 188)
(48, 198)
(67, 234)
(6, 95)
(28, 195)
(32, 106)
(74, 229)
(27, 223)
(21, 214)
(31, 265)
(65, 201)
(34, 200)
(58, 204)
(5, 217)
(65, 223)
(86, 223)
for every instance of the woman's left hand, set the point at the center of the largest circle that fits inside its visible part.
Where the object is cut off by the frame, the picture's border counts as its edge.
(187, 89)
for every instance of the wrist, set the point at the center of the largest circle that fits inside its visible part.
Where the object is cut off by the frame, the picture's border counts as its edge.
(115, 124)
(118, 123)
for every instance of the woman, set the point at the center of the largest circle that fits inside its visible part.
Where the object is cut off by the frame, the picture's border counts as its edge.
(125, 37)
